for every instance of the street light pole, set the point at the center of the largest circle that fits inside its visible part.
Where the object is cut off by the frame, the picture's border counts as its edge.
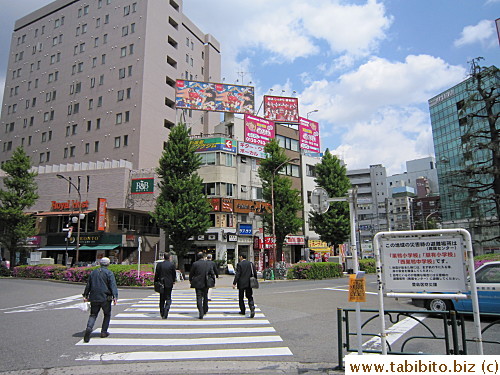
(80, 214)
(425, 221)
(272, 204)
(308, 113)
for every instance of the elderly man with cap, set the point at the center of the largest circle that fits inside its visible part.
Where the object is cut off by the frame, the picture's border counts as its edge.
(100, 291)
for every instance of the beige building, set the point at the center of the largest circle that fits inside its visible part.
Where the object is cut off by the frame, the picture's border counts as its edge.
(89, 94)
(91, 81)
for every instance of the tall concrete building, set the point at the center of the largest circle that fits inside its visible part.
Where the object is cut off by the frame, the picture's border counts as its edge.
(371, 203)
(89, 95)
(91, 81)
(421, 175)
(455, 151)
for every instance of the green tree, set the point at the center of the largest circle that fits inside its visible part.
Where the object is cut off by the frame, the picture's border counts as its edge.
(333, 225)
(182, 209)
(480, 172)
(287, 201)
(20, 193)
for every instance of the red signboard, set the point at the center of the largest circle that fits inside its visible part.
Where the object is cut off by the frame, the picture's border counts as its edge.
(216, 97)
(309, 135)
(258, 130)
(281, 109)
(102, 206)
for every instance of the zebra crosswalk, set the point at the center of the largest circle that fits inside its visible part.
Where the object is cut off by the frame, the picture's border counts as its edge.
(223, 333)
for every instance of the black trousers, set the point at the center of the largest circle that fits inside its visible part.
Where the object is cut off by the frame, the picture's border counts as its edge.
(165, 300)
(95, 307)
(248, 292)
(202, 300)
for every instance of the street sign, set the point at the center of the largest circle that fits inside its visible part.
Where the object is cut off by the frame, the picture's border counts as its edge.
(425, 264)
(319, 200)
(357, 288)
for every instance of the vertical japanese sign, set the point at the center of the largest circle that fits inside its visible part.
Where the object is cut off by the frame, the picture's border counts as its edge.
(427, 264)
(281, 109)
(309, 135)
(258, 130)
(102, 206)
(357, 289)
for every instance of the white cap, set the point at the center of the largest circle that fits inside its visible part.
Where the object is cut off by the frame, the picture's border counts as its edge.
(105, 261)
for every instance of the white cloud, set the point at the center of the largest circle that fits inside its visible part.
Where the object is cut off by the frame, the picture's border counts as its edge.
(481, 33)
(378, 113)
(290, 29)
(378, 83)
(390, 138)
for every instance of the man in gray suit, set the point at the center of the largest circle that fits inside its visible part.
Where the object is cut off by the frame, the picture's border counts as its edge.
(244, 270)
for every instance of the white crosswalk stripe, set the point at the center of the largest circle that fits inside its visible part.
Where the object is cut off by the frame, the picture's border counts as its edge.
(223, 333)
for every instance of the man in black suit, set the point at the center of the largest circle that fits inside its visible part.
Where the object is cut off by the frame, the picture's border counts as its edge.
(198, 274)
(215, 271)
(166, 274)
(244, 270)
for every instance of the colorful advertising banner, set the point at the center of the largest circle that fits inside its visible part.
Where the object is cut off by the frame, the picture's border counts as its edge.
(309, 135)
(214, 144)
(281, 109)
(252, 150)
(218, 97)
(258, 130)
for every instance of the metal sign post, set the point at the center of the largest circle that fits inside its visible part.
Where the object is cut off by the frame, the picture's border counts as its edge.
(320, 203)
(421, 263)
(139, 245)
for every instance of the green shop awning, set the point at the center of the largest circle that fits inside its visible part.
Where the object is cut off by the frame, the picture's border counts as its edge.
(47, 248)
(99, 247)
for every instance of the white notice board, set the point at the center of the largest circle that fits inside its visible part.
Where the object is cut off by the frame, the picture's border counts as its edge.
(424, 264)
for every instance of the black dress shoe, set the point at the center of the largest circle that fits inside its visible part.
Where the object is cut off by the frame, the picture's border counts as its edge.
(201, 316)
(86, 336)
(165, 316)
(252, 313)
(104, 335)
(241, 313)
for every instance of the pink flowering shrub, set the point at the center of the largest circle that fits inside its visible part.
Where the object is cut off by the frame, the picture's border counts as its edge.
(130, 278)
(49, 271)
(482, 259)
(124, 275)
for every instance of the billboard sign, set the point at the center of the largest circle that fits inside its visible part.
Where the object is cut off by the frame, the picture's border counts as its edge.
(309, 135)
(218, 97)
(427, 264)
(258, 130)
(142, 185)
(250, 149)
(281, 109)
(215, 144)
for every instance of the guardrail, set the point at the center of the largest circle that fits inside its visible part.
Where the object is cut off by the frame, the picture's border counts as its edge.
(453, 334)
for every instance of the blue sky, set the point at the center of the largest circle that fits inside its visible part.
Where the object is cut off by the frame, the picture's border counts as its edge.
(367, 66)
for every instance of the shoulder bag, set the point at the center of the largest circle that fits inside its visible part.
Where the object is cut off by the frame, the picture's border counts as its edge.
(254, 283)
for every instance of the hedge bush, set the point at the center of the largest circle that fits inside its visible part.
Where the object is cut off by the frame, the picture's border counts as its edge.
(367, 265)
(315, 270)
(125, 275)
(482, 259)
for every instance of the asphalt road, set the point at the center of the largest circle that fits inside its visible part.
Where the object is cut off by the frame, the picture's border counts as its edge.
(294, 331)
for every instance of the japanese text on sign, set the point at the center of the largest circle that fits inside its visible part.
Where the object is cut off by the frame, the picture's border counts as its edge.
(426, 265)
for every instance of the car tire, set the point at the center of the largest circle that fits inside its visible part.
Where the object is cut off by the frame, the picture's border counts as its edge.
(439, 305)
